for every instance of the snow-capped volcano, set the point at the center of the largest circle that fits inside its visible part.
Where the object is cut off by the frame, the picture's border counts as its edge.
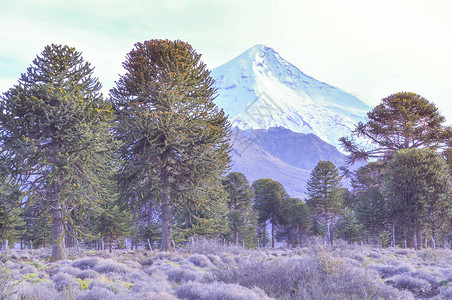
(259, 90)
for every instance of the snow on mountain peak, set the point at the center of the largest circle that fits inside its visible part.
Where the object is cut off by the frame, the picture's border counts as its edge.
(259, 89)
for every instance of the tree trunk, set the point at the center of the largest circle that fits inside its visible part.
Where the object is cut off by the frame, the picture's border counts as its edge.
(264, 235)
(419, 236)
(6, 246)
(393, 235)
(433, 238)
(327, 232)
(57, 226)
(273, 235)
(299, 235)
(166, 211)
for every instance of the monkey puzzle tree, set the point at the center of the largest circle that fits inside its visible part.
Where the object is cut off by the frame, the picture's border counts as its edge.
(325, 194)
(174, 137)
(269, 198)
(401, 121)
(418, 185)
(53, 135)
(241, 216)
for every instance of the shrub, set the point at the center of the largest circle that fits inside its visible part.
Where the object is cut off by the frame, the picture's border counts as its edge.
(200, 260)
(218, 291)
(179, 275)
(97, 293)
(154, 286)
(85, 263)
(318, 276)
(205, 246)
(391, 270)
(63, 281)
(7, 283)
(406, 281)
(87, 274)
(111, 266)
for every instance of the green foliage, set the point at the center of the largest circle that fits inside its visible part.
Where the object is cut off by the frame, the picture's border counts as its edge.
(53, 134)
(348, 227)
(241, 216)
(268, 202)
(11, 221)
(401, 121)
(112, 224)
(325, 194)
(417, 184)
(38, 224)
(240, 193)
(201, 212)
(372, 211)
(296, 219)
(384, 238)
(173, 136)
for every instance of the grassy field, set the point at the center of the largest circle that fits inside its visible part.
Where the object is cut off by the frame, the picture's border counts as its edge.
(210, 270)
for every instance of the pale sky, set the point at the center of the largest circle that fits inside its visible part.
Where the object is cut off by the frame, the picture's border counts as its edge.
(367, 47)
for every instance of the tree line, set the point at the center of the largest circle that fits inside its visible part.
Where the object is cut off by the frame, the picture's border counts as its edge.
(147, 163)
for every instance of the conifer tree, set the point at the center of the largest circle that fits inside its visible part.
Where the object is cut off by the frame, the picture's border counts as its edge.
(241, 216)
(11, 221)
(418, 185)
(402, 121)
(173, 136)
(372, 211)
(53, 135)
(349, 227)
(38, 225)
(112, 224)
(269, 198)
(296, 218)
(325, 195)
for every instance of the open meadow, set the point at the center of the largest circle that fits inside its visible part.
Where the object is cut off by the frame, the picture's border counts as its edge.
(211, 270)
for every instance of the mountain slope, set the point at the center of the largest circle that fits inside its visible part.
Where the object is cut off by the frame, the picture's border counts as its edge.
(300, 150)
(259, 90)
(255, 162)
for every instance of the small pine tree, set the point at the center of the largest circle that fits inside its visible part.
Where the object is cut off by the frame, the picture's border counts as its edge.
(112, 224)
(241, 216)
(268, 201)
(11, 222)
(325, 195)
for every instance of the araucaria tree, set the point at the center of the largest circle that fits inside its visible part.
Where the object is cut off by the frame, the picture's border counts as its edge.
(417, 184)
(325, 195)
(269, 198)
(54, 137)
(401, 121)
(174, 138)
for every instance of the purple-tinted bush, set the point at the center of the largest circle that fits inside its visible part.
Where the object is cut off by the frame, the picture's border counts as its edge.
(87, 274)
(97, 293)
(391, 270)
(205, 246)
(200, 260)
(218, 291)
(63, 281)
(180, 275)
(311, 277)
(406, 281)
(111, 266)
(85, 263)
